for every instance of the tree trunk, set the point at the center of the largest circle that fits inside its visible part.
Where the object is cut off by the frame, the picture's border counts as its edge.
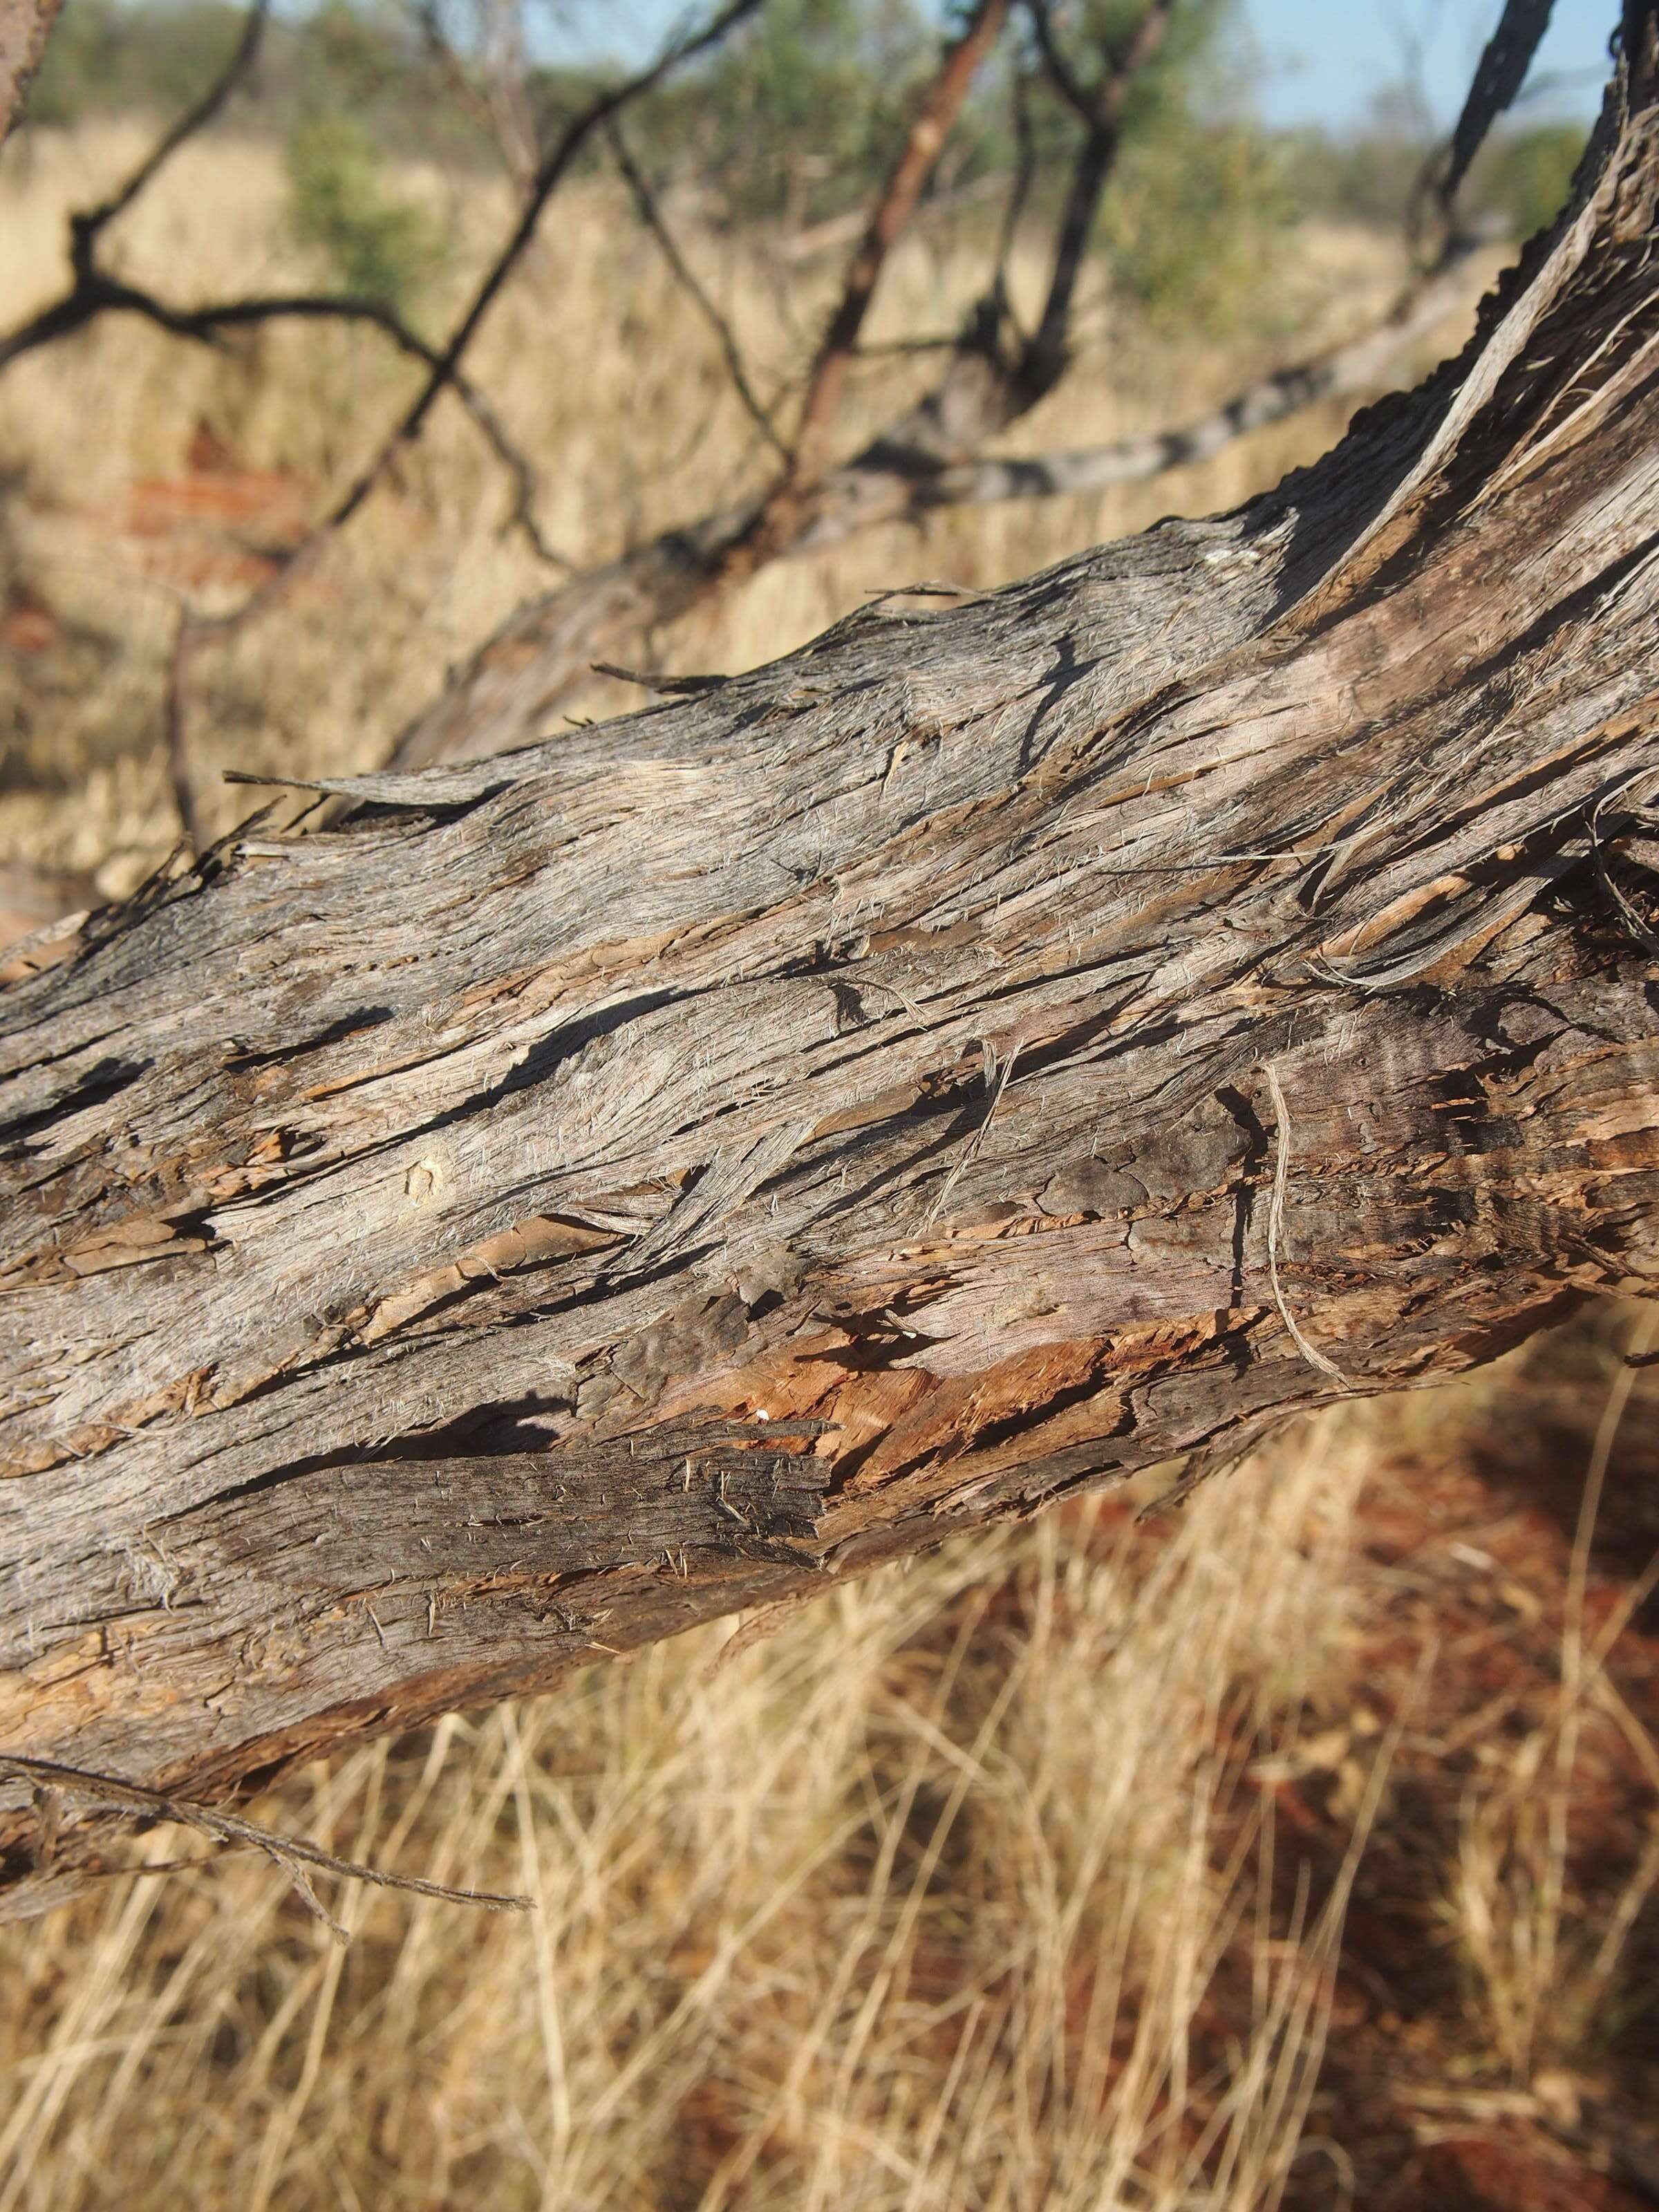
(25, 26)
(677, 1167)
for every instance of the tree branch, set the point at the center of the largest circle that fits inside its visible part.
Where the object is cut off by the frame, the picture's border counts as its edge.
(652, 216)
(1359, 366)
(84, 227)
(1043, 359)
(940, 106)
(1498, 76)
(54, 1784)
(690, 1162)
(503, 108)
(599, 111)
(95, 293)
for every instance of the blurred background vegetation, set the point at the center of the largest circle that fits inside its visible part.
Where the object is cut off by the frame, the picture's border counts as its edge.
(794, 121)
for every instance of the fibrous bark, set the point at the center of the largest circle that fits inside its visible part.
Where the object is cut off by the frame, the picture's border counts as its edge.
(546, 652)
(675, 1167)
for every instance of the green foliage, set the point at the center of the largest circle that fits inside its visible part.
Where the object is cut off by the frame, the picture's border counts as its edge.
(1196, 218)
(103, 56)
(800, 114)
(1368, 178)
(1525, 174)
(374, 245)
(1199, 203)
(360, 58)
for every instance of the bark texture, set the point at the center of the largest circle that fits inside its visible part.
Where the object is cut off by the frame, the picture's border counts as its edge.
(667, 1169)
(545, 653)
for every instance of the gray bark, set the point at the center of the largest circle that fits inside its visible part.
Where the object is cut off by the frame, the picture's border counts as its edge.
(670, 1168)
(543, 657)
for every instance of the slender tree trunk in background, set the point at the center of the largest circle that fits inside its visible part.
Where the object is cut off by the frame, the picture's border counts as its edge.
(25, 26)
(545, 653)
(680, 1166)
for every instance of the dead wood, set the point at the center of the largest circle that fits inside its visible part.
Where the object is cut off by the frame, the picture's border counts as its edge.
(1006, 1045)
(930, 457)
(534, 663)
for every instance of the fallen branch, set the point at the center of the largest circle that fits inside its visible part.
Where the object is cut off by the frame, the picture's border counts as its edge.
(672, 1170)
(54, 1783)
(547, 649)
(538, 659)
(1358, 367)
(533, 667)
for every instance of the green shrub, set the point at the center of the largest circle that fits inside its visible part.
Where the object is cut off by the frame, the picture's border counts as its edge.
(104, 57)
(1525, 174)
(375, 246)
(1194, 222)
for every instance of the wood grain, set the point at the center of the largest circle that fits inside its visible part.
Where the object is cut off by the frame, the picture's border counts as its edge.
(690, 1161)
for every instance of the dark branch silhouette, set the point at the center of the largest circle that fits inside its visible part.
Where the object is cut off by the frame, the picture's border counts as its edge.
(651, 214)
(1498, 76)
(93, 292)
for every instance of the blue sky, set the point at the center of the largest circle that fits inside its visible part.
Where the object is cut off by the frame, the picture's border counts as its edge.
(1320, 60)
(1328, 58)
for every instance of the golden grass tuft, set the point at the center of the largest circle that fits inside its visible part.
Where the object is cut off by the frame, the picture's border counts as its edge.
(608, 378)
(914, 1902)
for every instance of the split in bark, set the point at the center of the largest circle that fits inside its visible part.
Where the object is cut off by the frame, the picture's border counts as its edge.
(576, 1195)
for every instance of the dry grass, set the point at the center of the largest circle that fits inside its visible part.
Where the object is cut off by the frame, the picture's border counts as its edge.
(1265, 1854)
(605, 374)
(1223, 1863)
(914, 1903)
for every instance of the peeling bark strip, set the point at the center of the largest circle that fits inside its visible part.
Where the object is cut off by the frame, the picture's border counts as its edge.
(669, 1168)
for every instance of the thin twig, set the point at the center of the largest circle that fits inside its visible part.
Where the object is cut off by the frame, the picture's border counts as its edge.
(1641, 931)
(887, 349)
(652, 216)
(501, 108)
(549, 176)
(85, 227)
(1078, 96)
(94, 294)
(649, 680)
(293, 1854)
(940, 106)
(996, 1080)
